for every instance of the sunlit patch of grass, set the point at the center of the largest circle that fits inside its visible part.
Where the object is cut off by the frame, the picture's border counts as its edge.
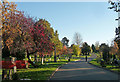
(41, 73)
(116, 69)
(94, 62)
(110, 67)
(85, 56)
(36, 73)
(74, 56)
(44, 71)
(0, 71)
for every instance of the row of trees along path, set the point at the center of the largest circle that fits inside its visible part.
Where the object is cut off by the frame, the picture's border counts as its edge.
(23, 35)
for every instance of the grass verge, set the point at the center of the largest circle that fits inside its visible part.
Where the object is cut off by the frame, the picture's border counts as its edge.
(109, 67)
(0, 71)
(43, 72)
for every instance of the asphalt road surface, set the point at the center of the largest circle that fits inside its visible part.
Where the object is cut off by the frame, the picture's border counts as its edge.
(82, 70)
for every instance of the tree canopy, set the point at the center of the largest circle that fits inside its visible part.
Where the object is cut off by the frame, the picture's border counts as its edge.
(85, 49)
(104, 49)
(65, 41)
(23, 34)
(93, 48)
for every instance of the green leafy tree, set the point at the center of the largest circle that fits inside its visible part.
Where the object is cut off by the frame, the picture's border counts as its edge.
(86, 49)
(65, 41)
(57, 45)
(104, 49)
(76, 50)
(93, 48)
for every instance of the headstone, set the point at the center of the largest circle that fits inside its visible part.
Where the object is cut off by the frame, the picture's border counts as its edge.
(58, 59)
(13, 59)
(37, 59)
(14, 69)
(10, 74)
(42, 60)
(49, 60)
(30, 57)
(66, 58)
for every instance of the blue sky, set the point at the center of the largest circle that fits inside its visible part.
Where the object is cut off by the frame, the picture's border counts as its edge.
(93, 20)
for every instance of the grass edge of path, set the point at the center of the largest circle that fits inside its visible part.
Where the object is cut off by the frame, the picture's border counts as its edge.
(94, 62)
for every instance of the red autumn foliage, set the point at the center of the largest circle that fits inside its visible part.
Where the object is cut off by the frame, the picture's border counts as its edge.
(42, 41)
(64, 50)
(19, 64)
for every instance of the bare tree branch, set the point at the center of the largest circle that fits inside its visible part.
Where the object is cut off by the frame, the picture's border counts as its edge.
(77, 39)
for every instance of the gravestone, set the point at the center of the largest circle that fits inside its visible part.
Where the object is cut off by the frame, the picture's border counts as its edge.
(58, 59)
(49, 60)
(14, 69)
(10, 74)
(12, 59)
(66, 58)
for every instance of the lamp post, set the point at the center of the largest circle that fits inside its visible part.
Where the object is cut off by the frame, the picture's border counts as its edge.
(116, 7)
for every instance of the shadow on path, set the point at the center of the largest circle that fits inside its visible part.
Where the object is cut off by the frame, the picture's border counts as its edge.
(81, 70)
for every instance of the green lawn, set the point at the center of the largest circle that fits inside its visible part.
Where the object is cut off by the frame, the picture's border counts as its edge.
(81, 56)
(85, 56)
(110, 67)
(0, 71)
(94, 62)
(43, 72)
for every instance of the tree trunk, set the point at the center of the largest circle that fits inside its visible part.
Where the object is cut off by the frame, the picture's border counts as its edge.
(55, 55)
(55, 58)
(35, 58)
(4, 74)
(42, 60)
(29, 60)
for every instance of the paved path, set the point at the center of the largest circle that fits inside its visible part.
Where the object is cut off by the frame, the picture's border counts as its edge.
(81, 70)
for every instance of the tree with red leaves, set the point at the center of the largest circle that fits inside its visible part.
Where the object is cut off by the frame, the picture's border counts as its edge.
(41, 39)
(22, 34)
(15, 32)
